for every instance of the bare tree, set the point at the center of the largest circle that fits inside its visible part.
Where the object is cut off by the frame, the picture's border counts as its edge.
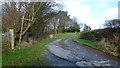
(115, 23)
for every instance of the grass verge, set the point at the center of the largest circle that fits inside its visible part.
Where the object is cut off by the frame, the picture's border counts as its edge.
(93, 44)
(30, 55)
(65, 37)
(87, 42)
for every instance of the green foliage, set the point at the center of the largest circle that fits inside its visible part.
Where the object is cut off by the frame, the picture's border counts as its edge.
(74, 27)
(97, 35)
(93, 36)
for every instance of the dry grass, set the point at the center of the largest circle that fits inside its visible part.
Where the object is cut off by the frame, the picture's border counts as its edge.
(111, 45)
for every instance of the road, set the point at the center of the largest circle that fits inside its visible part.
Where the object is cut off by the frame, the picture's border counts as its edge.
(69, 53)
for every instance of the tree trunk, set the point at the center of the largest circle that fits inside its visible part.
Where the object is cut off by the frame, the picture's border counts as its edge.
(21, 30)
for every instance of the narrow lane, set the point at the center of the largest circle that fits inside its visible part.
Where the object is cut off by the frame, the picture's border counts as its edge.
(53, 58)
(57, 61)
(89, 54)
(70, 53)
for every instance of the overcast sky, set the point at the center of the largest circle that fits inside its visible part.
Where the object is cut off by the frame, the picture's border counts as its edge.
(92, 12)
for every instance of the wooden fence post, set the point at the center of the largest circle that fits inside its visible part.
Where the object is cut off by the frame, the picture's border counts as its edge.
(12, 38)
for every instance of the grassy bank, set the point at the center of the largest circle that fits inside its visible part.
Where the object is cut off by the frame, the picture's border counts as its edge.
(65, 35)
(87, 42)
(93, 44)
(30, 55)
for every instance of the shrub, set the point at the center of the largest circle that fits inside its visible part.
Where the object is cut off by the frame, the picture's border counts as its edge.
(108, 38)
(97, 35)
(92, 36)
